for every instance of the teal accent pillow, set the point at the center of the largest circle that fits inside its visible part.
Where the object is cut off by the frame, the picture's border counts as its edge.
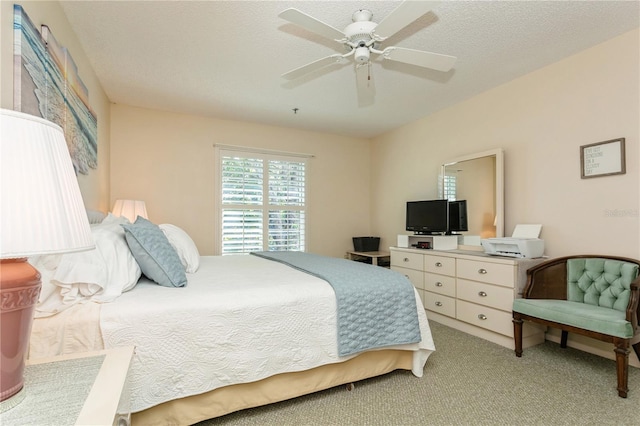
(154, 253)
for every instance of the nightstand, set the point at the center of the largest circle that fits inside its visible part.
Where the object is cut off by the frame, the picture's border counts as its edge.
(82, 389)
(373, 255)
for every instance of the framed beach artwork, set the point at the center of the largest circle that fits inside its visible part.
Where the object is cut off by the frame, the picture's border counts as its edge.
(47, 85)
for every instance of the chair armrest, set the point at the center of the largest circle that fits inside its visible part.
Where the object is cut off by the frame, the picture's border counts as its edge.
(632, 313)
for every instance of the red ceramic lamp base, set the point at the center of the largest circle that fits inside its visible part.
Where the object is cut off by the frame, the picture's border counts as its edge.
(19, 291)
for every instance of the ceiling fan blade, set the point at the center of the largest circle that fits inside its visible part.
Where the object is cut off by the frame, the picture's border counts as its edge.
(310, 23)
(365, 87)
(420, 58)
(312, 66)
(402, 16)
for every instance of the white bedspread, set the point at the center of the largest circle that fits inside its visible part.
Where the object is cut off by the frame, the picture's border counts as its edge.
(240, 319)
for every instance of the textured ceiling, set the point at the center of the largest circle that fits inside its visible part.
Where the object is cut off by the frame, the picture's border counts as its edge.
(224, 58)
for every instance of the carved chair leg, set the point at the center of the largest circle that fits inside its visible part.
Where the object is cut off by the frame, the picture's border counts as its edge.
(517, 334)
(622, 366)
(563, 339)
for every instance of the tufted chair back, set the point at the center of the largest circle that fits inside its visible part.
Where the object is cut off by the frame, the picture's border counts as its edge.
(600, 282)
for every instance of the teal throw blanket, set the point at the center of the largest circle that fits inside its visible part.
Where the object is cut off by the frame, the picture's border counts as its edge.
(376, 306)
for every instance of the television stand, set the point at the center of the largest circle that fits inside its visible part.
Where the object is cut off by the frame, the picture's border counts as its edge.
(373, 255)
(434, 242)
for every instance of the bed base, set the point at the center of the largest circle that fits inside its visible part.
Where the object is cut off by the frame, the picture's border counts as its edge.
(193, 409)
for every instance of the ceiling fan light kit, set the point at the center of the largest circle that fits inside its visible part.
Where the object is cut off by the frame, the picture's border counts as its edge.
(361, 55)
(362, 37)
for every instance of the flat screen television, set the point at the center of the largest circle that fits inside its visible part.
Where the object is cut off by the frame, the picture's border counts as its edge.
(458, 216)
(428, 217)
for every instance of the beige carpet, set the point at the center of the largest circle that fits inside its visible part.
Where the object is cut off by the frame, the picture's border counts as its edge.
(469, 381)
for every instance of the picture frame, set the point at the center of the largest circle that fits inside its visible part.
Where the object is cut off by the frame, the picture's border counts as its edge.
(602, 159)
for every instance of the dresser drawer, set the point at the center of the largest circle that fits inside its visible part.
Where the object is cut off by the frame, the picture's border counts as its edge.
(441, 284)
(440, 265)
(485, 294)
(494, 273)
(441, 304)
(485, 317)
(416, 277)
(407, 260)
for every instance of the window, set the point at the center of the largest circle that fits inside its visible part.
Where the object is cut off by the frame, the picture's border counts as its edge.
(449, 186)
(263, 202)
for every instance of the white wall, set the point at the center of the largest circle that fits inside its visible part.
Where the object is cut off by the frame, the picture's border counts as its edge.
(167, 160)
(95, 185)
(540, 120)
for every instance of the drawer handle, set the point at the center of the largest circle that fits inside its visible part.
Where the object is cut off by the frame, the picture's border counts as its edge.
(406, 259)
(482, 271)
(438, 264)
(438, 284)
(482, 317)
(482, 294)
(438, 303)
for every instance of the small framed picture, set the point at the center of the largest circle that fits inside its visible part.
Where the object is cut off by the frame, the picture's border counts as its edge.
(602, 159)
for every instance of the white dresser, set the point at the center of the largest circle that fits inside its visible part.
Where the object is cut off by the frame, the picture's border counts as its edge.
(468, 290)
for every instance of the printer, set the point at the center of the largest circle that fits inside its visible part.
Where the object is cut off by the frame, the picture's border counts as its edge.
(523, 243)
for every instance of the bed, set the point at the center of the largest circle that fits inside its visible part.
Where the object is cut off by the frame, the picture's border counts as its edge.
(239, 332)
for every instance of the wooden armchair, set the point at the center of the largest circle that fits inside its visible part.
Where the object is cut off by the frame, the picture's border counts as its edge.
(592, 295)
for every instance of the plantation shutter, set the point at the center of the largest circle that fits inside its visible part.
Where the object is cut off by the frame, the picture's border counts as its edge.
(263, 202)
(286, 205)
(449, 187)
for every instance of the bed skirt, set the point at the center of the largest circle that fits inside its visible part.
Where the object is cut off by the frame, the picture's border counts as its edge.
(221, 401)
(77, 330)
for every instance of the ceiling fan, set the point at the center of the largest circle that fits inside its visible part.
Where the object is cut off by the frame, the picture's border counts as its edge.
(362, 39)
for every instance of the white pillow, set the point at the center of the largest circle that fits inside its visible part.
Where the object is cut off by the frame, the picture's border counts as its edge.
(114, 220)
(99, 275)
(95, 216)
(184, 246)
(111, 253)
(46, 265)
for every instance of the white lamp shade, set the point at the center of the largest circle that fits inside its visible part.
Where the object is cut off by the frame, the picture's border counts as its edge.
(130, 209)
(41, 208)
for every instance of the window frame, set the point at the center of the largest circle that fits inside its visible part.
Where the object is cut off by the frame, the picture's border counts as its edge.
(222, 151)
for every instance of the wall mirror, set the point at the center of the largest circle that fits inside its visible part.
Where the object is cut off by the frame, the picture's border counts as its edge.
(479, 179)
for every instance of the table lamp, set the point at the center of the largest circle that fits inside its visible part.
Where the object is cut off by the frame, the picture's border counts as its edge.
(41, 212)
(130, 209)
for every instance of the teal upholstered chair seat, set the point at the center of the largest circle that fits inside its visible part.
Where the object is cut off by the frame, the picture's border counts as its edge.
(596, 296)
(576, 314)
